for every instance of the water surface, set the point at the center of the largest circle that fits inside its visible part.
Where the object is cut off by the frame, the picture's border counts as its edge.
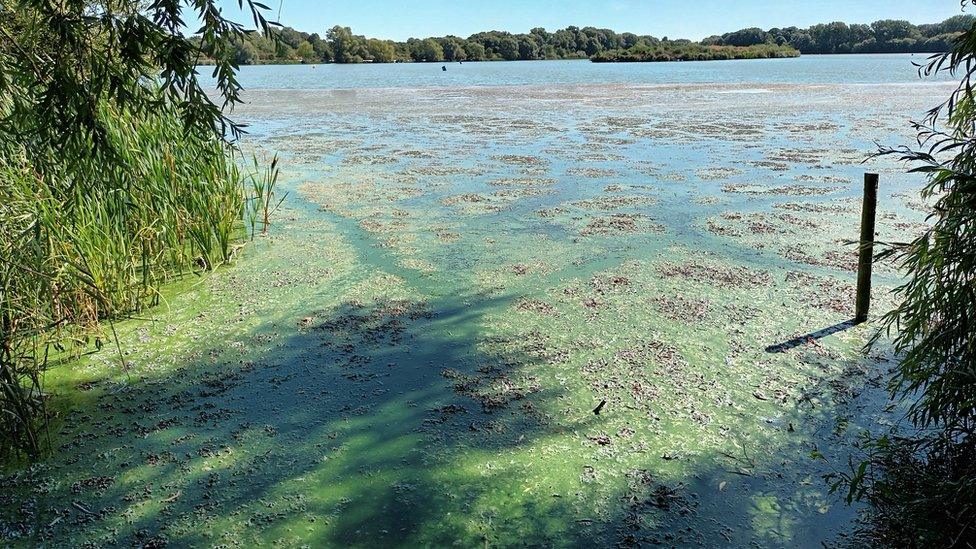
(467, 266)
(808, 69)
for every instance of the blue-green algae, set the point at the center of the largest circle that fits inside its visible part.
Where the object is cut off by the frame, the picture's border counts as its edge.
(459, 278)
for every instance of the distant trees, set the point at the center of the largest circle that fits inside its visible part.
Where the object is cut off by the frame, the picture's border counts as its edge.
(323, 52)
(342, 46)
(347, 47)
(474, 51)
(747, 37)
(886, 36)
(508, 48)
(381, 51)
(426, 50)
(305, 52)
(453, 48)
(686, 51)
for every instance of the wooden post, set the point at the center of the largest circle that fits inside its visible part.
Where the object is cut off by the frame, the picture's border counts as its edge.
(866, 256)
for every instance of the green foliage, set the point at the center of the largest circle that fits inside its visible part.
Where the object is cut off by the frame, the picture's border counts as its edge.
(578, 43)
(887, 36)
(62, 58)
(921, 490)
(673, 51)
(381, 51)
(747, 37)
(305, 52)
(474, 51)
(453, 48)
(115, 175)
(427, 50)
(91, 240)
(936, 323)
(262, 202)
(345, 46)
(922, 486)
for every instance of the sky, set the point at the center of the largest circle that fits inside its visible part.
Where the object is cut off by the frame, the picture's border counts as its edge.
(693, 19)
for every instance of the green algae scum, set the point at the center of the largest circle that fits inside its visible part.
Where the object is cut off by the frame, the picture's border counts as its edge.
(414, 354)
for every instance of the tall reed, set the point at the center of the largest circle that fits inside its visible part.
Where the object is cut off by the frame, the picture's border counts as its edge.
(83, 240)
(262, 203)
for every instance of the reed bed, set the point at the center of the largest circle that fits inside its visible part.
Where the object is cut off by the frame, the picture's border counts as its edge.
(83, 240)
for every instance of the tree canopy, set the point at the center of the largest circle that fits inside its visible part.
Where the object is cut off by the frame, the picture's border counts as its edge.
(674, 51)
(342, 46)
(63, 59)
(885, 36)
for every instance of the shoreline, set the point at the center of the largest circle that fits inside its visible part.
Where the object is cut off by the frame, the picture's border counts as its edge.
(496, 61)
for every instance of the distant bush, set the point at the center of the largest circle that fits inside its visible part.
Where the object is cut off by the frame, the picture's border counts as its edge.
(675, 51)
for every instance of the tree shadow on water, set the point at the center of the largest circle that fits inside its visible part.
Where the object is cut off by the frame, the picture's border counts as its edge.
(372, 424)
(346, 431)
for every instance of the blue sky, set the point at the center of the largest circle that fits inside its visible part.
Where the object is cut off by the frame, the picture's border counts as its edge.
(695, 19)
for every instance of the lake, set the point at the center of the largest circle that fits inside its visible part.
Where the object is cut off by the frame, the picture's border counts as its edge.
(515, 304)
(808, 69)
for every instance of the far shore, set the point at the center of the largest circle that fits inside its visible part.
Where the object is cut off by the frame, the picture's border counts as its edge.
(209, 63)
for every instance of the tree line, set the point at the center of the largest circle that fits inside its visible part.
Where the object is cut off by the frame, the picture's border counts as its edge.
(341, 45)
(673, 51)
(885, 36)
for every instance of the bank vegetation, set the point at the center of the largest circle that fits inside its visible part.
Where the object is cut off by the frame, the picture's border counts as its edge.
(116, 176)
(693, 52)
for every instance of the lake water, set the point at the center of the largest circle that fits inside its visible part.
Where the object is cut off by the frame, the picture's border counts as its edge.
(809, 69)
(467, 265)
